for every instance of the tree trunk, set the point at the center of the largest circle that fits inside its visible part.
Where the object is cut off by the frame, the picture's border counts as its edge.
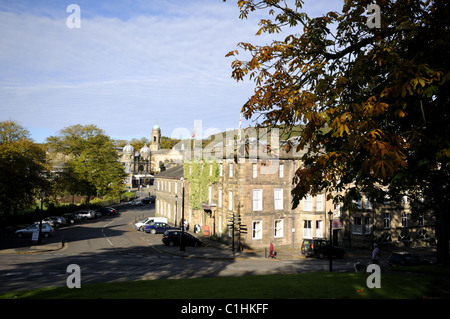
(442, 235)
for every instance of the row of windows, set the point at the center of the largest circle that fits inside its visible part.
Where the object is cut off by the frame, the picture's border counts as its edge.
(164, 185)
(257, 229)
(278, 229)
(254, 170)
(278, 200)
(363, 225)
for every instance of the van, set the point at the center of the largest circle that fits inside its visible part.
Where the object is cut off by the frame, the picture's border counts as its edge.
(149, 220)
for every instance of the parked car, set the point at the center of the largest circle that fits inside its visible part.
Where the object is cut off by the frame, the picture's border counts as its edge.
(107, 211)
(55, 221)
(85, 214)
(158, 228)
(136, 202)
(47, 230)
(149, 220)
(320, 248)
(148, 199)
(403, 258)
(172, 238)
(70, 218)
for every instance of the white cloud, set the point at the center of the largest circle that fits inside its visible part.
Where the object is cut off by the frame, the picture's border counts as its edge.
(125, 72)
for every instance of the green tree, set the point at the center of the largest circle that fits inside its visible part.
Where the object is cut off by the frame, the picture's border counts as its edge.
(90, 161)
(22, 168)
(374, 101)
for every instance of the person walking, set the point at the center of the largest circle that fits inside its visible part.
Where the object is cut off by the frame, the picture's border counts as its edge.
(375, 254)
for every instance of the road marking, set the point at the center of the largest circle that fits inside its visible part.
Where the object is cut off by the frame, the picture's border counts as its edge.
(103, 232)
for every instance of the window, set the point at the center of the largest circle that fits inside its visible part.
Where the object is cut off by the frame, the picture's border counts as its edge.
(221, 169)
(281, 171)
(176, 187)
(367, 225)
(254, 170)
(387, 220)
(257, 199)
(319, 228)
(421, 219)
(168, 182)
(278, 198)
(307, 203)
(307, 229)
(319, 203)
(231, 170)
(230, 200)
(210, 194)
(220, 197)
(257, 229)
(404, 219)
(357, 226)
(278, 228)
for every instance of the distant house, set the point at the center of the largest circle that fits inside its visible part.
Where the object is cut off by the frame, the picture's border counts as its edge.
(140, 166)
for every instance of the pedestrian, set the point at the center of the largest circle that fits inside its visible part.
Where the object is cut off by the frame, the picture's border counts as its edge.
(272, 254)
(375, 254)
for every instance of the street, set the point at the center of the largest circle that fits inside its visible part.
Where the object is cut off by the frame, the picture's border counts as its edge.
(110, 249)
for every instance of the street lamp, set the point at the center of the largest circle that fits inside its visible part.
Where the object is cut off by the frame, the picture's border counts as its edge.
(41, 216)
(330, 252)
(176, 209)
(182, 247)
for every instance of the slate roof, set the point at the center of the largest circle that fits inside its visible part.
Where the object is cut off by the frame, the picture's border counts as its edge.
(175, 172)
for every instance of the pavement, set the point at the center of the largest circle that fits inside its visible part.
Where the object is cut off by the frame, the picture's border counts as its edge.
(211, 249)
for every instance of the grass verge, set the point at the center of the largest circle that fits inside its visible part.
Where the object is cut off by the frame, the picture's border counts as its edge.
(318, 285)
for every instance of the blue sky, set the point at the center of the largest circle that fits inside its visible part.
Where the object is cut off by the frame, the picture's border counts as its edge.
(129, 65)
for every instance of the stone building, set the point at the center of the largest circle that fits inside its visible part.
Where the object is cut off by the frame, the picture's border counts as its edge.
(257, 190)
(140, 166)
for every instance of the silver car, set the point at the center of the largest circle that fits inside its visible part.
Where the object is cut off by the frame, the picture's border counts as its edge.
(47, 230)
(55, 221)
(85, 214)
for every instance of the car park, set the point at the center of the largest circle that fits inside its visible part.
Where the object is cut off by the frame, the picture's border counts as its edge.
(46, 230)
(320, 248)
(172, 238)
(55, 221)
(158, 228)
(403, 258)
(149, 220)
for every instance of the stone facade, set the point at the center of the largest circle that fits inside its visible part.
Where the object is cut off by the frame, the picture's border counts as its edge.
(259, 192)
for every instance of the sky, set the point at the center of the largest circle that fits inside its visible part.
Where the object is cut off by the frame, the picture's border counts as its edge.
(127, 65)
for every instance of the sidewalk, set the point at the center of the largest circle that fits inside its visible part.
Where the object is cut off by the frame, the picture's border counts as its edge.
(211, 249)
(33, 248)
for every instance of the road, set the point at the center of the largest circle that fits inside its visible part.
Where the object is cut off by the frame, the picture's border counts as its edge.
(110, 249)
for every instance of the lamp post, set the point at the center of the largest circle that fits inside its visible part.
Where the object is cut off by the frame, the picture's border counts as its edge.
(176, 209)
(182, 247)
(41, 213)
(330, 215)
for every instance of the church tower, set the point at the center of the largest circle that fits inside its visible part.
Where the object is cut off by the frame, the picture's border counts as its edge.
(156, 138)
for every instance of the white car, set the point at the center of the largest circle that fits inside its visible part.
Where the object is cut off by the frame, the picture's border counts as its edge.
(140, 224)
(47, 230)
